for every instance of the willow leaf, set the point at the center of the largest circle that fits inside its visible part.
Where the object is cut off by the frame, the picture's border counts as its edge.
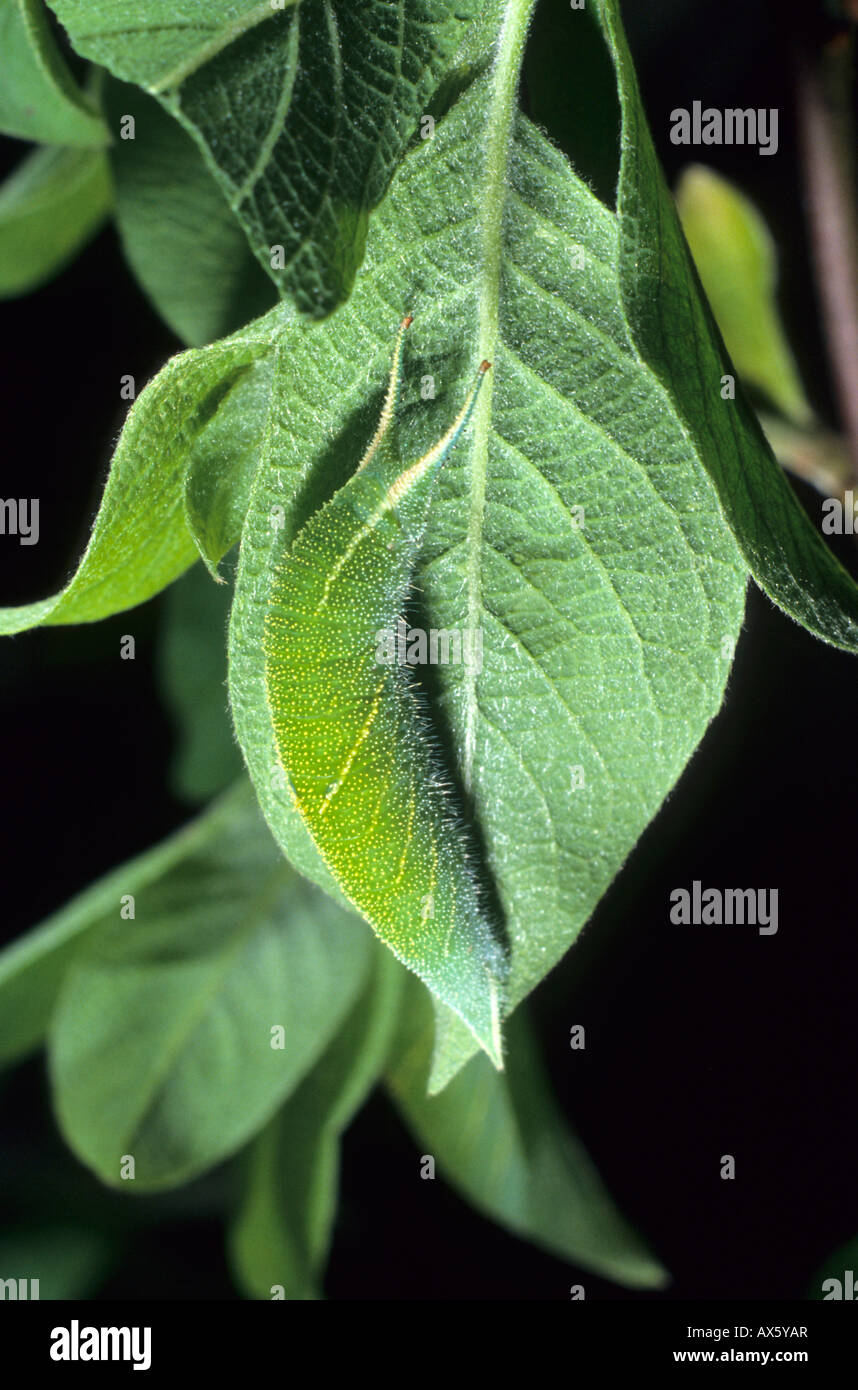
(33, 967)
(192, 676)
(141, 540)
(575, 525)
(329, 91)
(501, 1140)
(673, 329)
(736, 258)
(180, 1029)
(280, 1235)
(196, 264)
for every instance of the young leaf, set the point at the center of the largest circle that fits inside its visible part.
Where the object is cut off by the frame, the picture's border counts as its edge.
(668, 314)
(281, 1233)
(195, 263)
(736, 258)
(329, 95)
(502, 1142)
(141, 540)
(358, 758)
(39, 98)
(51, 205)
(574, 526)
(179, 1031)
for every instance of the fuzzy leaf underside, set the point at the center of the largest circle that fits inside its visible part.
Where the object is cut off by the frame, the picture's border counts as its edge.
(329, 91)
(144, 536)
(575, 525)
(195, 265)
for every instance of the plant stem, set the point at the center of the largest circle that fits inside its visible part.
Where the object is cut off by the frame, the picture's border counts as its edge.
(827, 140)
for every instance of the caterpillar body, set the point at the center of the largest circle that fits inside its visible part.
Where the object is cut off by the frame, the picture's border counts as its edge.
(356, 748)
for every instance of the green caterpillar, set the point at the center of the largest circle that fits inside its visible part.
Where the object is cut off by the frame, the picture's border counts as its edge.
(355, 746)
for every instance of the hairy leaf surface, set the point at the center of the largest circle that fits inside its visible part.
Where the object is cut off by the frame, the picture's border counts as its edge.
(575, 525)
(329, 93)
(141, 539)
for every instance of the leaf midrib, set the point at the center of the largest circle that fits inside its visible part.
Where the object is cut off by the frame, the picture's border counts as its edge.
(499, 124)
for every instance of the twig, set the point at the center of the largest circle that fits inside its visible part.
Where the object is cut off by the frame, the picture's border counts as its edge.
(827, 143)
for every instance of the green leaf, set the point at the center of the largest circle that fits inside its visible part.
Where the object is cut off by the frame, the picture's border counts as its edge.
(192, 671)
(164, 1044)
(502, 1142)
(223, 461)
(33, 967)
(180, 237)
(736, 258)
(280, 1236)
(668, 315)
(574, 526)
(51, 205)
(39, 98)
(329, 91)
(141, 539)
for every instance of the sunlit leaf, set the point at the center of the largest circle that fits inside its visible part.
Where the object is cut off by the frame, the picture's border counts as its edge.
(141, 540)
(735, 255)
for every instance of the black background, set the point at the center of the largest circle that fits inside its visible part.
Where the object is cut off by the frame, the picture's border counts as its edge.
(701, 1041)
